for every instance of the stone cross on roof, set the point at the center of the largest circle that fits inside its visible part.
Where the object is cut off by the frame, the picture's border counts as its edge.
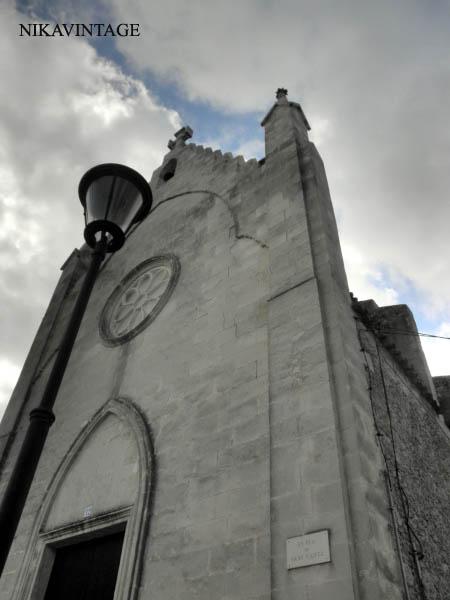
(180, 137)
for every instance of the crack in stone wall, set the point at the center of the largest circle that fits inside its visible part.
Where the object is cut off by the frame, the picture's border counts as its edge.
(236, 225)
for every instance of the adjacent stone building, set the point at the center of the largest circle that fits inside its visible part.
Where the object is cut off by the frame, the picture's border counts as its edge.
(233, 424)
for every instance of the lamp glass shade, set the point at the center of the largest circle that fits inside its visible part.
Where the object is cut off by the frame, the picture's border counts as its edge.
(114, 197)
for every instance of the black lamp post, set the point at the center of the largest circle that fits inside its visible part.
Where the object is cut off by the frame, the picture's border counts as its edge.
(114, 197)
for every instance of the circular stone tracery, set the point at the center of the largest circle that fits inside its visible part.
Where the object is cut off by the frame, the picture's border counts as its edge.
(138, 299)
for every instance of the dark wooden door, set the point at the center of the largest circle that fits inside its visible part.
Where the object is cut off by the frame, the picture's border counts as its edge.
(87, 570)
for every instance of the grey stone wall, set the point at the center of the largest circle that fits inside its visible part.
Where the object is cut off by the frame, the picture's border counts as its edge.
(198, 374)
(416, 446)
(442, 385)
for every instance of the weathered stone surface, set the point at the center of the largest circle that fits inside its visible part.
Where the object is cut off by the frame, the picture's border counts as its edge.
(416, 444)
(442, 385)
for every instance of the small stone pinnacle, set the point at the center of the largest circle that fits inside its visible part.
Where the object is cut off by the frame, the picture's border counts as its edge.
(281, 93)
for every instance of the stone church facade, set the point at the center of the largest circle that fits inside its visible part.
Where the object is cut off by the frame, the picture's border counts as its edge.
(231, 418)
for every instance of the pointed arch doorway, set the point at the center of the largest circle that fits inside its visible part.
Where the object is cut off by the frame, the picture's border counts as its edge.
(92, 525)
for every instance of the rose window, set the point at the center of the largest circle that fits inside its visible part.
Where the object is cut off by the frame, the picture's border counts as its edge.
(138, 299)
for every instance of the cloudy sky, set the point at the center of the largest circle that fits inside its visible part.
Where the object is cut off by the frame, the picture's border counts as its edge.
(373, 79)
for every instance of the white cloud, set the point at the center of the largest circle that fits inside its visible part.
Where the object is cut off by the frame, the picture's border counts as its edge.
(365, 278)
(323, 130)
(253, 148)
(437, 350)
(63, 109)
(9, 372)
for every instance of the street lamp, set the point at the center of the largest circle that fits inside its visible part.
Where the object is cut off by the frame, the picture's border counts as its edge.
(114, 198)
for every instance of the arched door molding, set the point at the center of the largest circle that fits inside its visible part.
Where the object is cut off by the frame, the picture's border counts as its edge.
(134, 518)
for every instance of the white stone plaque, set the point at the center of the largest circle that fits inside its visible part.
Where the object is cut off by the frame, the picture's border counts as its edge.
(310, 549)
(87, 512)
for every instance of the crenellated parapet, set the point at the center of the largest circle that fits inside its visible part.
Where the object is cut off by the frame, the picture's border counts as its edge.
(227, 159)
(189, 167)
